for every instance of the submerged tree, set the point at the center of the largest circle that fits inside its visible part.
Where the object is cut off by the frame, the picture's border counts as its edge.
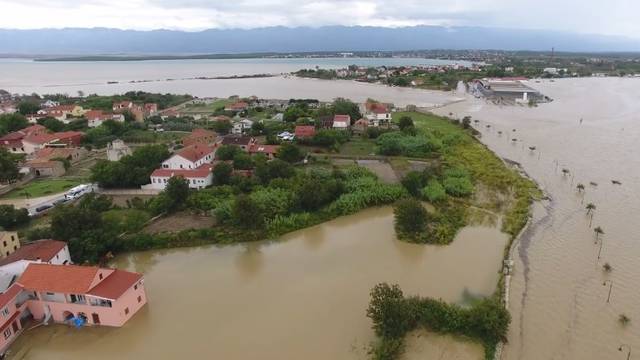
(598, 231)
(580, 187)
(607, 267)
(624, 320)
(591, 207)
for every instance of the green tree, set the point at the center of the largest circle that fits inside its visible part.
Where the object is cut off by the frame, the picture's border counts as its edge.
(242, 161)
(222, 126)
(410, 217)
(9, 171)
(222, 174)
(389, 311)
(177, 192)
(51, 123)
(10, 217)
(414, 181)
(12, 122)
(273, 169)
(347, 107)
(227, 152)
(405, 122)
(246, 214)
(290, 153)
(28, 107)
(293, 113)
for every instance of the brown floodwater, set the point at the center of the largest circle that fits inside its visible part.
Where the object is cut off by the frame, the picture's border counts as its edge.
(303, 297)
(558, 303)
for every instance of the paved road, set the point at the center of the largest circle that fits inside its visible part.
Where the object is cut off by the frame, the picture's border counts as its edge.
(32, 203)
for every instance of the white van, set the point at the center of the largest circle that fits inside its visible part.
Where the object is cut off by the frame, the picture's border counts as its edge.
(77, 191)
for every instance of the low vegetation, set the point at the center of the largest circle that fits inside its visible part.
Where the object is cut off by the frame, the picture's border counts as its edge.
(393, 315)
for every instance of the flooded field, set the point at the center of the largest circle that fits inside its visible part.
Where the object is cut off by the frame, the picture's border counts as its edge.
(558, 303)
(300, 298)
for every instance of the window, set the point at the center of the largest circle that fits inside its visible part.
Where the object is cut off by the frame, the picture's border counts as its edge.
(126, 311)
(13, 238)
(100, 276)
(139, 298)
(135, 287)
(4, 243)
(5, 312)
(7, 333)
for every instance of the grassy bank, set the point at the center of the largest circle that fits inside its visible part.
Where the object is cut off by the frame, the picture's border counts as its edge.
(44, 187)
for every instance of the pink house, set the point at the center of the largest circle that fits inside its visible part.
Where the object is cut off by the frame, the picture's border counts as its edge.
(72, 294)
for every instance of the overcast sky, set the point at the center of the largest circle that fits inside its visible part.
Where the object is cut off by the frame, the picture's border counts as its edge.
(611, 17)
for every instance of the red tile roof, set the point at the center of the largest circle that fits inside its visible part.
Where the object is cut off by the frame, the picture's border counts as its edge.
(43, 250)
(305, 131)
(264, 149)
(66, 279)
(342, 118)
(10, 294)
(377, 108)
(237, 140)
(240, 105)
(114, 285)
(40, 138)
(195, 152)
(68, 135)
(200, 172)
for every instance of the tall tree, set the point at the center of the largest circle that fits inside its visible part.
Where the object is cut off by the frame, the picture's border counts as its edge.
(8, 166)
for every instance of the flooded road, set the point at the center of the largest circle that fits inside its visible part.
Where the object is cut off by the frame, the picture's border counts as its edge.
(304, 297)
(558, 301)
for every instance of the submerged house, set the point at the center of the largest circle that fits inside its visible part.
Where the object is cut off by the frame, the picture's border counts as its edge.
(41, 286)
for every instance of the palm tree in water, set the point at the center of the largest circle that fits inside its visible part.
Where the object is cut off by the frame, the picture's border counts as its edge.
(598, 231)
(591, 208)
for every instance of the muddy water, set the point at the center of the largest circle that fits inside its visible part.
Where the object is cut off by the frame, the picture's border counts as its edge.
(301, 298)
(559, 304)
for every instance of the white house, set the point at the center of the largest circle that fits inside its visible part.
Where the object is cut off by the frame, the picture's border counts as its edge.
(341, 122)
(191, 157)
(239, 127)
(198, 178)
(377, 114)
(95, 118)
(42, 251)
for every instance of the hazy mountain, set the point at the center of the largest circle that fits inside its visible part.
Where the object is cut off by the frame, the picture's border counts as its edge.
(282, 39)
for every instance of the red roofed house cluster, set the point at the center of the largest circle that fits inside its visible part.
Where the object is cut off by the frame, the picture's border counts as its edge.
(377, 113)
(193, 162)
(39, 284)
(35, 137)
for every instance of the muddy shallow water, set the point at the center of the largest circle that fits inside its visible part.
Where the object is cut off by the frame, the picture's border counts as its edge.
(559, 304)
(300, 298)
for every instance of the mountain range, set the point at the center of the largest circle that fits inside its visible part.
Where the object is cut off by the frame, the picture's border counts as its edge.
(92, 41)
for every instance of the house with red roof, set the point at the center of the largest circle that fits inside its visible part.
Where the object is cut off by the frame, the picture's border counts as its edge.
(44, 287)
(95, 118)
(190, 157)
(305, 131)
(237, 106)
(269, 151)
(13, 141)
(377, 113)
(193, 163)
(341, 122)
(200, 136)
(198, 178)
(242, 141)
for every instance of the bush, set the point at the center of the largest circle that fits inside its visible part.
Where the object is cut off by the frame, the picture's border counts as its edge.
(393, 316)
(273, 202)
(458, 186)
(246, 214)
(434, 192)
(410, 218)
(414, 181)
(398, 143)
(10, 217)
(290, 153)
(222, 174)
(227, 152)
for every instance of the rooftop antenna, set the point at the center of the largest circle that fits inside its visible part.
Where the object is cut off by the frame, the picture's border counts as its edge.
(553, 52)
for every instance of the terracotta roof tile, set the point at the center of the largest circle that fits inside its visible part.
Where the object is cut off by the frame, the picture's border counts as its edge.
(200, 172)
(195, 152)
(114, 285)
(9, 294)
(66, 279)
(44, 250)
